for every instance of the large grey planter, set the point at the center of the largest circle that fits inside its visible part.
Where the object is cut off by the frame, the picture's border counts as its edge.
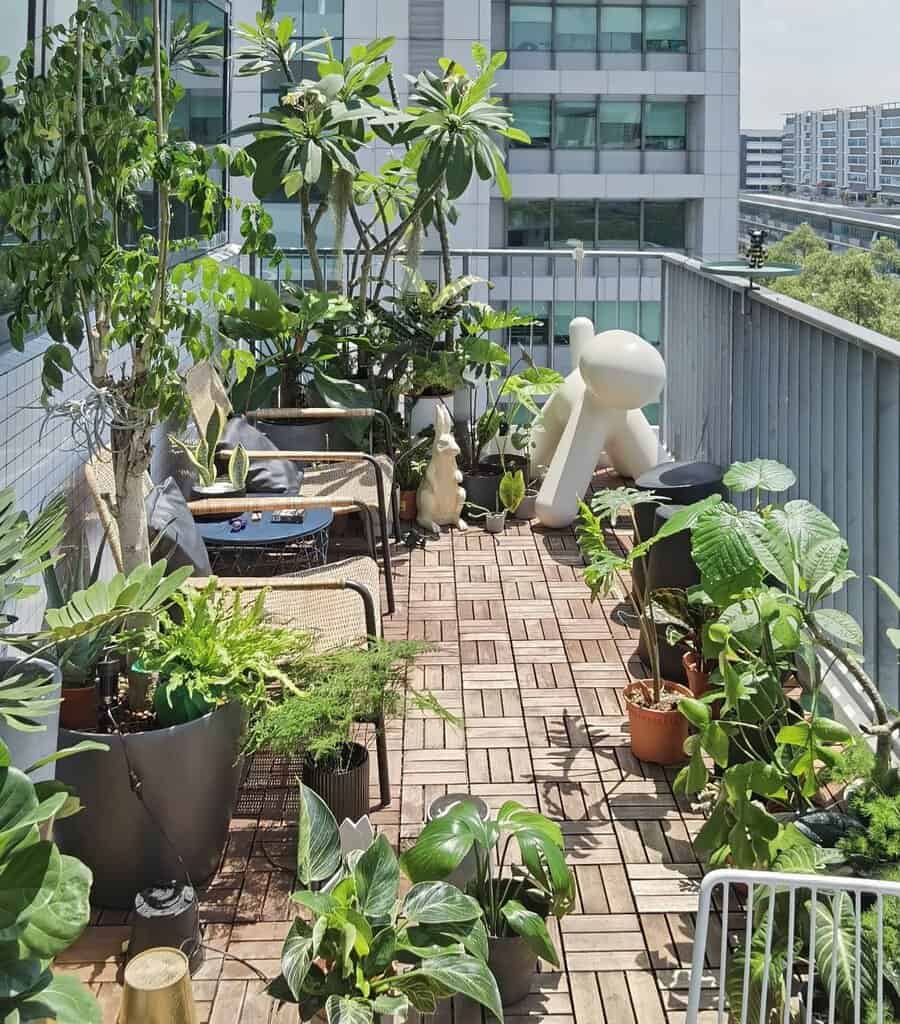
(26, 748)
(189, 778)
(513, 964)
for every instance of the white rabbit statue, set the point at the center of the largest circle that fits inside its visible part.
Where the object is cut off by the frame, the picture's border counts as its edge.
(440, 498)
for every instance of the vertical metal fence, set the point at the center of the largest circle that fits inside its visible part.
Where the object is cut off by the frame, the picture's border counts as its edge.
(752, 374)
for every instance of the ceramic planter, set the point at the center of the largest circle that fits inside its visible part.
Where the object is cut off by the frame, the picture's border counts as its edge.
(27, 747)
(697, 679)
(221, 490)
(526, 509)
(346, 793)
(421, 413)
(495, 522)
(409, 506)
(79, 708)
(189, 780)
(657, 737)
(512, 962)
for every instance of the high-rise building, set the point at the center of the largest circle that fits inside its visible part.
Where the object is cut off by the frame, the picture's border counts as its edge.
(632, 110)
(761, 156)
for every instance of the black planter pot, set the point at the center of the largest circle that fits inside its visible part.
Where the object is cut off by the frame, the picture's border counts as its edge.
(189, 780)
(26, 748)
(482, 487)
(346, 793)
(512, 962)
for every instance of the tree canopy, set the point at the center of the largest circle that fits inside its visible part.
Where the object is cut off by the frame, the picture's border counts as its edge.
(860, 285)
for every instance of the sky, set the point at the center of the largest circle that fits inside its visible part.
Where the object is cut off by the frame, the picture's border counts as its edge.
(810, 54)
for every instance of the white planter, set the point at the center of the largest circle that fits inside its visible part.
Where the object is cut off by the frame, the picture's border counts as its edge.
(421, 414)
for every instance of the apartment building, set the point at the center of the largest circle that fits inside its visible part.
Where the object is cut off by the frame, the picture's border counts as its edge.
(761, 160)
(852, 149)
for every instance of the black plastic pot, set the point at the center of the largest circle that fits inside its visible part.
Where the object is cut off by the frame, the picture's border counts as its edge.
(482, 487)
(26, 748)
(189, 777)
(345, 792)
(512, 962)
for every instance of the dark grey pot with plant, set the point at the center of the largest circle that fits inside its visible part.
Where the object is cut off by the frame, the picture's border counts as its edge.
(341, 781)
(156, 806)
(515, 909)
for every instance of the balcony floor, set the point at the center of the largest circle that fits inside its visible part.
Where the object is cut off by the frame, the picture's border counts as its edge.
(537, 672)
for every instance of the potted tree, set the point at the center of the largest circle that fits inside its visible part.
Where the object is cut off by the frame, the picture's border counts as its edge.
(409, 952)
(158, 805)
(515, 907)
(323, 718)
(658, 731)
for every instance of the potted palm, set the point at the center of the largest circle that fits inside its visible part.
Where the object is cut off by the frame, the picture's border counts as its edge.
(658, 731)
(515, 901)
(361, 950)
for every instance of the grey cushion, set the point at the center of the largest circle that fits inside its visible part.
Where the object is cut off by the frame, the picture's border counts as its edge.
(274, 476)
(173, 530)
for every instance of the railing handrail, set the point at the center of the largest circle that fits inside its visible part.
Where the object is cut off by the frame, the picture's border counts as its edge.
(612, 253)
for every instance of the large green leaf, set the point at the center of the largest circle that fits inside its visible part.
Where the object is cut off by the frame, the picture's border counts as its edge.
(840, 626)
(29, 878)
(513, 817)
(722, 554)
(836, 952)
(19, 977)
(764, 967)
(439, 903)
(377, 875)
(65, 1000)
(296, 957)
(467, 975)
(344, 1010)
(532, 928)
(440, 849)
(434, 939)
(56, 925)
(318, 839)
(760, 474)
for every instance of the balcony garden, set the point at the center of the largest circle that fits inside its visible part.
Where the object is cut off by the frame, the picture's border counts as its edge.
(259, 711)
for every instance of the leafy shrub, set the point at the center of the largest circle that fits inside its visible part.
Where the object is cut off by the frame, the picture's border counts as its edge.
(878, 842)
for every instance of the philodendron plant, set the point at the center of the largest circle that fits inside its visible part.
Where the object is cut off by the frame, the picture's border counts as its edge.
(361, 950)
(514, 902)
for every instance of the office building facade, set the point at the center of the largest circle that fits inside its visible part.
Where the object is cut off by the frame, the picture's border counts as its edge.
(761, 160)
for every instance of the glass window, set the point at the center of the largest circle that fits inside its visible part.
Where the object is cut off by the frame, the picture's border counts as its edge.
(620, 29)
(664, 225)
(528, 225)
(620, 124)
(530, 27)
(575, 125)
(651, 321)
(576, 28)
(666, 29)
(533, 117)
(665, 125)
(573, 220)
(15, 37)
(619, 225)
(323, 18)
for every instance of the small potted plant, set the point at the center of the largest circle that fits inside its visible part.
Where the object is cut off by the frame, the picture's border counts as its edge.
(509, 494)
(408, 473)
(658, 730)
(361, 950)
(322, 717)
(516, 901)
(685, 614)
(203, 456)
(527, 506)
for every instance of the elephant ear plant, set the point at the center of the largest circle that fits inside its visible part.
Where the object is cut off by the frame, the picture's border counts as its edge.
(363, 950)
(516, 903)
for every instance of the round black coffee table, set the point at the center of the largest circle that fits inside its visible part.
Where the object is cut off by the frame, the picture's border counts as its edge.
(267, 548)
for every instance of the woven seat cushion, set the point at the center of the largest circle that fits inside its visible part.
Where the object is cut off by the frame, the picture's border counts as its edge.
(173, 531)
(275, 476)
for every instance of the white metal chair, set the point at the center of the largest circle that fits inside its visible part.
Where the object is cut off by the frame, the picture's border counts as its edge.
(790, 901)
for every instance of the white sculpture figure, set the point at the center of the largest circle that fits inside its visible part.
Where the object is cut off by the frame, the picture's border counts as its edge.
(597, 409)
(440, 498)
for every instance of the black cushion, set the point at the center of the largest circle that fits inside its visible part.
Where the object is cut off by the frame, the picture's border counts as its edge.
(274, 476)
(173, 531)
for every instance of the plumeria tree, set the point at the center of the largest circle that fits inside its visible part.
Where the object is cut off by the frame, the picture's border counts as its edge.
(88, 147)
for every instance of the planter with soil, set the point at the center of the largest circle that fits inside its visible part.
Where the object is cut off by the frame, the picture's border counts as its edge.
(658, 733)
(221, 490)
(409, 506)
(187, 776)
(79, 706)
(513, 963)
(495, 522)
(343, 783)
(696, 674)
(26, 748)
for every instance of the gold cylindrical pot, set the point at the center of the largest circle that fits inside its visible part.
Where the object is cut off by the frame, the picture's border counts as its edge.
(158, 989)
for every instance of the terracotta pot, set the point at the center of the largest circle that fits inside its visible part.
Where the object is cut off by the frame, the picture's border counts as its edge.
(409, 506)
(79, 708)
(657, 737)
(698, 680)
